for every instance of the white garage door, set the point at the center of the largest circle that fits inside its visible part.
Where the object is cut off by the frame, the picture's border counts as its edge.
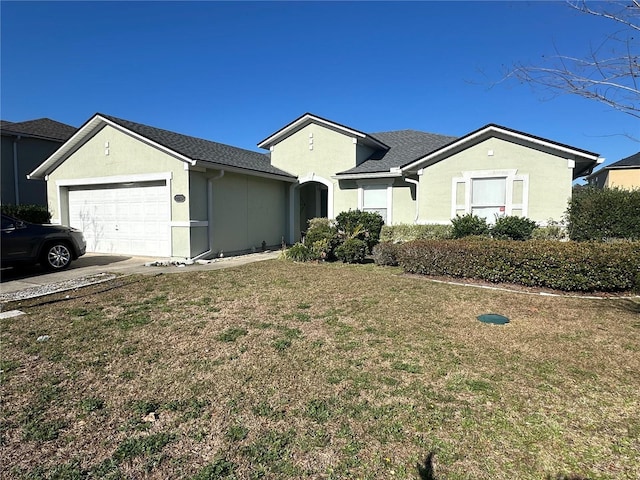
(130, 219)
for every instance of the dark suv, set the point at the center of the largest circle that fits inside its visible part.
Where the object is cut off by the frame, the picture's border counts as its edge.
(52, 246)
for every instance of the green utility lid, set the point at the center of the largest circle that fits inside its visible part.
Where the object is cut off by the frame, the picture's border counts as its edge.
(493, 318)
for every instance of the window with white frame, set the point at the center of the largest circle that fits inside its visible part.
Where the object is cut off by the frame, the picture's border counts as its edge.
(488, 197)
(374, 199)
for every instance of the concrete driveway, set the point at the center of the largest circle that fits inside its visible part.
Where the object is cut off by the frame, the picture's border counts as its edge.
(93, 264)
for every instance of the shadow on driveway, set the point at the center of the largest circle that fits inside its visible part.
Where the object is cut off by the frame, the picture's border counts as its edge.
(30, 271)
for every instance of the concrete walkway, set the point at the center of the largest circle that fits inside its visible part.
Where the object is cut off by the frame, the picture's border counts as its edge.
(94, 265)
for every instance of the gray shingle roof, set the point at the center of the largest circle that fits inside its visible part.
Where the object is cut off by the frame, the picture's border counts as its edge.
(632, 161)
(406, 146)
(42, 127)
(203, 150)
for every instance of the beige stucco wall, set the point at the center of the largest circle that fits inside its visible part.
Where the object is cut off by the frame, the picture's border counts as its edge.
(247, 211)
(404, 205)
(332, 152)
(127, 156)
(549, 179)
(624, 178)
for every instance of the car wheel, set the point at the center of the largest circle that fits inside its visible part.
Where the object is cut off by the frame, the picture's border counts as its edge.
(57, 256)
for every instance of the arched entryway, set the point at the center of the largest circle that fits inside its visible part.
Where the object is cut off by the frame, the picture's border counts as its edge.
(311, 197)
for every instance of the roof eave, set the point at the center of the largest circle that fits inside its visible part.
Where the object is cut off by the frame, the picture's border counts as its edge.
(309, 118)
(360, 176)
(13, 133)
(90, 127)
(488, 129)
(245, 171)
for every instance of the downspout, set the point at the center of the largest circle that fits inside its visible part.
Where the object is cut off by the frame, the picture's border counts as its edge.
(16, 185)
(416, 183)
(210, 181)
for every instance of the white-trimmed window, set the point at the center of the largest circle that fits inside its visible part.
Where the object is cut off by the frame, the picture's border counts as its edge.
(487, 193)
(376, 197)
(488, 197)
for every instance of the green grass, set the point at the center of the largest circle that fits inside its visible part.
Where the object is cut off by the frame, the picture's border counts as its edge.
(283, 371)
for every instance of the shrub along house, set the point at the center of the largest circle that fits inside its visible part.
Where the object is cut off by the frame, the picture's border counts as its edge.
(136, 189)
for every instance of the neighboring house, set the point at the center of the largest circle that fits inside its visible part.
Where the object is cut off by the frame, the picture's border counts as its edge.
(25, 145)
(624, 173)
(135, 189)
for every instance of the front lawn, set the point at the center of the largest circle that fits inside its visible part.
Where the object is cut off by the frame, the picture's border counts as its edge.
(284, 370)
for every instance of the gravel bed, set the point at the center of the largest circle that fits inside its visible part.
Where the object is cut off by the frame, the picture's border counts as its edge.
(50, 288)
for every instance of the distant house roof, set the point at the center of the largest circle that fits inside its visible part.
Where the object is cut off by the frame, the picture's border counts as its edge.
(632, 161)
(191, 149)
(44, 128)
(405, 146)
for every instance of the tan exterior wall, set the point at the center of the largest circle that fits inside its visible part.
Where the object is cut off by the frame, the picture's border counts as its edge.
(629, 178)
(127, 156)
(332, 152)
(404, 205)
(545, 188)
(247, 211)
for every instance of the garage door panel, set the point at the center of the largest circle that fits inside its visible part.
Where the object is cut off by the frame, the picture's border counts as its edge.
(131, 220)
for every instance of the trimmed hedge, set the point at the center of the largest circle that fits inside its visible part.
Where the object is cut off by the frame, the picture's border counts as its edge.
(568, 266)
(386, 254)
(603, 214)
(408, 232)
(28, 213)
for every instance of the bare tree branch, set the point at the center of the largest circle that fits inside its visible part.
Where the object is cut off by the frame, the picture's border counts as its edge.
(608, 74)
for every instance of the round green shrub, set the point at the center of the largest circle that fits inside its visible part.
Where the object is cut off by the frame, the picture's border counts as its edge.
(512, 227)
(469, 225)
(365, 226)
(322, 238)
(353, 250)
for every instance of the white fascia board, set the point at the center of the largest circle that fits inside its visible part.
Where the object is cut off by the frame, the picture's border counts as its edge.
(54, 159)
(494, 129)
(79, 137)
(303, 121)
(245, 171)
(359, 176)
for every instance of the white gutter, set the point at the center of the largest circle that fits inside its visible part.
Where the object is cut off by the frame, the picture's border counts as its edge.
(416, 183)
(210, 181)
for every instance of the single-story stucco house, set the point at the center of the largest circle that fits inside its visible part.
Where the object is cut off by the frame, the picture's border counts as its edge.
(140, 190)
(624, 173)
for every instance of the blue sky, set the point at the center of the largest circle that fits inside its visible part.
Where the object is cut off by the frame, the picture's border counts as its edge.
(235, 72)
